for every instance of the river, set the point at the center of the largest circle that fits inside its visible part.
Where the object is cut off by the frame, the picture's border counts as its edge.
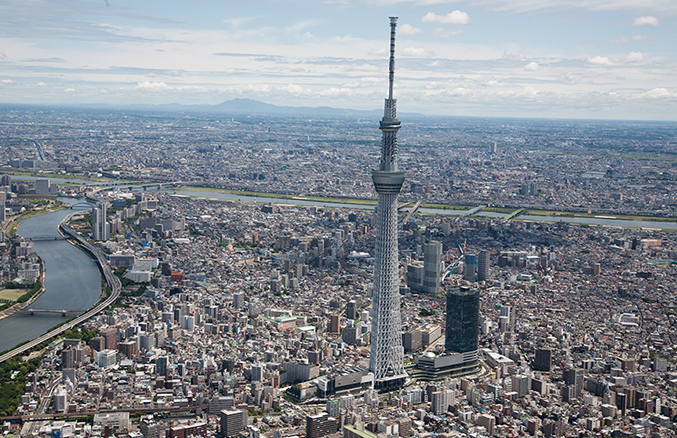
(72, 281)
(438, 211)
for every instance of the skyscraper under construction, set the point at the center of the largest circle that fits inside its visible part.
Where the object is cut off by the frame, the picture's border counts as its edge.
(387, 354)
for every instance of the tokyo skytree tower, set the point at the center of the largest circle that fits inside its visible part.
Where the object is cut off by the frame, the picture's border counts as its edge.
(387, 353)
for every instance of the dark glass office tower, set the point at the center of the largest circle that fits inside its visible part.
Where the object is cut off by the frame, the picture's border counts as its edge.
(463, 313)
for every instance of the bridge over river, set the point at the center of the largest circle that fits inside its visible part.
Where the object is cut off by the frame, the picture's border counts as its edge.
(44, 237)
(60, 312)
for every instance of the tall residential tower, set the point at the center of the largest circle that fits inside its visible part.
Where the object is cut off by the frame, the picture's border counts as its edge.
(387, 354)
(100, 230)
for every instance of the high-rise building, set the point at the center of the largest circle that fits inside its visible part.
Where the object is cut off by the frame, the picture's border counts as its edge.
(162, 366)
(67, 359)
(320, 425)
(111, 336)
(521, 385)
(483, 266)
(441, 400)
(415, 274)
(42, 187)
(432, 267)
(233, 422)
(99, 224)
(506, 318)
(386, 359)
(351, 310)
(412, 340)
(334, 325)
(462, 324)
(60, 399)
(2, 210)
(543, 359)
(349, 334)
(106, 358)
(470, 266)
(574, 377)
(596, 269)
(238, 300)
(488, 422)
(257, 372)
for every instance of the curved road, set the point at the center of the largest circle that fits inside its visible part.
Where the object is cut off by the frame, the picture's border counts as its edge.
(111, 279)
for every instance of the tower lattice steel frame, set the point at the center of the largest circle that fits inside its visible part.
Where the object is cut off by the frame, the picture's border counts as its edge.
(387, 353)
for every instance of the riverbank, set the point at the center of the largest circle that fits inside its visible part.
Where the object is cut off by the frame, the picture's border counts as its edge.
(65, 177)
(299, 197)
(17, 306)
(614, 220)
(72, 282)
(54, 205)
(562, 214)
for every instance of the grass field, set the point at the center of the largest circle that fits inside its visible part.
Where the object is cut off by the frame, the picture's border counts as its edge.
(277, 195)
(12, 294)
(596, 215)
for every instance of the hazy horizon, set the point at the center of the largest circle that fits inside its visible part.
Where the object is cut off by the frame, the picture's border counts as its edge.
(613, 60)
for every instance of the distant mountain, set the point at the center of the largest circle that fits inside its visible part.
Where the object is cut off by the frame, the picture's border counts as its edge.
(249, 106)
(238, 107)
(246, 106)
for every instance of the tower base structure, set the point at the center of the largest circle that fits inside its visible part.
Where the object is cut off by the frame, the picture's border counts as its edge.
(390, 383)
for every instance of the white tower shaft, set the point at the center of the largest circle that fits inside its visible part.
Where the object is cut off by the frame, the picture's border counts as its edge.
(387, 352)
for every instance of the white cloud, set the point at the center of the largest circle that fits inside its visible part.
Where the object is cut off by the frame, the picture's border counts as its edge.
(154, 86)
(623, 40)
(453, 18)
(528, 92)
(293, 89)
(258, 88)
(634, 57)
(408, 29)
(416, 52)
(514, 57)
(646, 20)
(41, 84)
(461, 91)
(539, 5)
(336, 92)
(571, 78)
(658, 93)
(631, 58)
(532, 66)
(600, 60)
(6, 81)
(69, 90)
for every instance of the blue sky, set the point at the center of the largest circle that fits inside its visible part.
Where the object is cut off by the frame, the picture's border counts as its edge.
(614, 59)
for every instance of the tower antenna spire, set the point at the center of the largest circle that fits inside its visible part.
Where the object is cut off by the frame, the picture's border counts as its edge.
(393, 26)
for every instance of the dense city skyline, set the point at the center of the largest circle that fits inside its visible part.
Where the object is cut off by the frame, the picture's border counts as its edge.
(610, 60)
(244, 314)
(251, 271)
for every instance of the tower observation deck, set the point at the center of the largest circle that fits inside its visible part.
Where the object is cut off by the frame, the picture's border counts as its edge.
(387, 353)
